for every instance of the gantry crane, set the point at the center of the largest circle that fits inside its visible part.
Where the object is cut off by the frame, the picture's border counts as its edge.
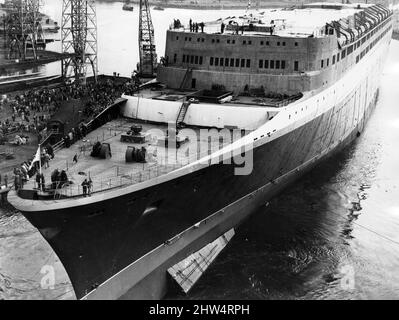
(22, 28)
(79, 39)
(148, 57)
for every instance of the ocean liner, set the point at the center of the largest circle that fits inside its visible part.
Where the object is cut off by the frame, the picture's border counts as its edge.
(294, 85)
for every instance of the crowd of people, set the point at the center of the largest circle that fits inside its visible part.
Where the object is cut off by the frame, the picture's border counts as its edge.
(195, 26)
(31, 111)
(28, 168)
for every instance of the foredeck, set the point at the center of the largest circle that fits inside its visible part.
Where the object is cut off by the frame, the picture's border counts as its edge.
(108, 174)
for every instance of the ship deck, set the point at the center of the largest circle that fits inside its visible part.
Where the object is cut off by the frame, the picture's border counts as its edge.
(238, 100)
(115, 172)
(287, 22)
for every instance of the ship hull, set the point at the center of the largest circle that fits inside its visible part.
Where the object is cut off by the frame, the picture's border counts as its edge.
(97, 241)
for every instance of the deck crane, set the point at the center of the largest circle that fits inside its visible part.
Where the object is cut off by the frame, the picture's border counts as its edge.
(148, 57)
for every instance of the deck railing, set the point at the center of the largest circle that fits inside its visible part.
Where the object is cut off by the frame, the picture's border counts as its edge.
(121, 178)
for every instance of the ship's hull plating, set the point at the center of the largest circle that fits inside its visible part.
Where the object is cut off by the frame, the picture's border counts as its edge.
(96, 241)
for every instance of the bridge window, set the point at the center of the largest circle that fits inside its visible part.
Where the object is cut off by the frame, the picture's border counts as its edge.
(278, 64)
(191, 59)
(211, 61)
(226, 62)
(184, 58)
(261, 43)
(200, 60)
(175, 58)
(196, 59)
(249, 42)
(343, 53)
(282, 64)
(296, 44)
(271, 64)
(266, 64)
(248, 63)
(278, 43)
(221, 62)
(216, 62)
(231, 62)
(296, 65)
(244, 42)
(283, 43)
(242, 63)
(333, 59)
(267, 43)
(328, 62)
(322, 63)
(228, 41)
(260, 64)
(237, 63)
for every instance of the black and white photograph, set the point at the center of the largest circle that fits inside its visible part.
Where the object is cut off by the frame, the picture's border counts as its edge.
(199, 150)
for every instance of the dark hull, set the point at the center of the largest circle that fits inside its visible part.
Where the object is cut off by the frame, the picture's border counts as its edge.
(96, 241)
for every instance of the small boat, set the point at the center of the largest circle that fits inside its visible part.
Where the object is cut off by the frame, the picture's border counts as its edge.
(159, 8)
(128, 6)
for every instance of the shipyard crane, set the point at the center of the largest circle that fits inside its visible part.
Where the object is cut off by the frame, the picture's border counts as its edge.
(79, 39)
(148, 57)
(22, 28)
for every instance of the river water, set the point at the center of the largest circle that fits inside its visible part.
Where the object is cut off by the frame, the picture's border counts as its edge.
(332, 235)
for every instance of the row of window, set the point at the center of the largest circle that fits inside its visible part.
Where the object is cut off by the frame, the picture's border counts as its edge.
(371, 45)
(239, 63)
(272, 64)
(230, 62)
(244, 42)
(190, 59)
(354, 47)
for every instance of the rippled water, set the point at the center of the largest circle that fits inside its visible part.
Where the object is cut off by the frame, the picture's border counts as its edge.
(332, 235)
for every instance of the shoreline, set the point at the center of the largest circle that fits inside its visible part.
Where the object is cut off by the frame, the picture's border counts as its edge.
(227, 5)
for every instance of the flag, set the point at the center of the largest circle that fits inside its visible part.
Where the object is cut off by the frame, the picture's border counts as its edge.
(36, 158)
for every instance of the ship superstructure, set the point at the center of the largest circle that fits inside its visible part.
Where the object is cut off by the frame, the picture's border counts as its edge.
(281, 90)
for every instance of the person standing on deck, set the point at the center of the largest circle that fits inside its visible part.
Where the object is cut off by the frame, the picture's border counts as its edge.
(89, 186)
(46, 159)
(75, 159)
(84, 186)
